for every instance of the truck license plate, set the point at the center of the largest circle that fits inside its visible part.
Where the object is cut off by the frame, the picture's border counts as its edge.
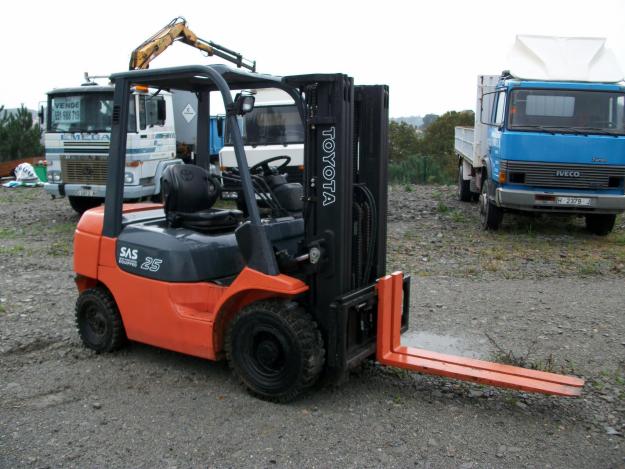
(86, 192)
(572, 201)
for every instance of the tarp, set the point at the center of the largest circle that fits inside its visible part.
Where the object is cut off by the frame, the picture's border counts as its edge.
(563, 59)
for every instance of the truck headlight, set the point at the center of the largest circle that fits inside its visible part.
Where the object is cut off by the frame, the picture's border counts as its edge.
(129, 178)
(54, 176)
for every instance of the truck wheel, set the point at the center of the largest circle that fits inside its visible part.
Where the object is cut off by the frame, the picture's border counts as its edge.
(99, 324)
(82, 204)
(275, 349)
(491, 216)
(464, 187)
(600, 224)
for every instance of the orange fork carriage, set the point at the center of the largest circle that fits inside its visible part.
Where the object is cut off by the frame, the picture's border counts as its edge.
(389, 351)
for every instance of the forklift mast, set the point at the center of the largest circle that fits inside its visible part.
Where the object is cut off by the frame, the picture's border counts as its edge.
(345, 196)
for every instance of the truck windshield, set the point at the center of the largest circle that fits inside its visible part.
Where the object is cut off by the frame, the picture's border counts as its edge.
(86, 112)
(567, 111)
(271, 125)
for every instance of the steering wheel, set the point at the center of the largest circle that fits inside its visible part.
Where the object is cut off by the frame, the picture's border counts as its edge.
(264, 165)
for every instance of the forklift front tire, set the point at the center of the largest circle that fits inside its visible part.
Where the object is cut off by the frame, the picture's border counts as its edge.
(99, 324)
(275, 349)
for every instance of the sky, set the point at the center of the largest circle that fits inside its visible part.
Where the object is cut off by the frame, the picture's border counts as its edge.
(428, 52)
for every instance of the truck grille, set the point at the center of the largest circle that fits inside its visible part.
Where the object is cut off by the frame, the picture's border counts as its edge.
(83, 170)
(563, 175)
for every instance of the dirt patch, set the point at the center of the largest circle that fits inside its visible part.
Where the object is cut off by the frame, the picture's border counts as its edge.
(544, 290)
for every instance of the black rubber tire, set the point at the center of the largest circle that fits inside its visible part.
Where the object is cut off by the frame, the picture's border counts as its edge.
(98, 320)
(464, 186)
(491, 216)
(600, 224)
(275, 349)
(82, 204)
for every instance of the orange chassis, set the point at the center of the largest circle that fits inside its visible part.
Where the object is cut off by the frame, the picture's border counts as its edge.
(191, 318)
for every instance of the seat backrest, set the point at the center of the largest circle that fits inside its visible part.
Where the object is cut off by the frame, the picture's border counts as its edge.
(188, 189)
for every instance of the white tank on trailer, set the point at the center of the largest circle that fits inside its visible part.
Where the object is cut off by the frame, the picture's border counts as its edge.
(553, 58)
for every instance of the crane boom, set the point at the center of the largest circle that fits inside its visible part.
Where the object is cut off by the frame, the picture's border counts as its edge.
(177, 30)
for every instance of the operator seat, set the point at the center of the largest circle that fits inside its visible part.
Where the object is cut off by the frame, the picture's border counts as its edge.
(189, 193)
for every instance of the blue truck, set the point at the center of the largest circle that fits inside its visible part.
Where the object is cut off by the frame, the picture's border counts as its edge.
(549, 135)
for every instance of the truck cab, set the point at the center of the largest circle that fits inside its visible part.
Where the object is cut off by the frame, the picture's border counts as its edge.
(547, 144)
(274, 128)
(558, 146)
(77, 141)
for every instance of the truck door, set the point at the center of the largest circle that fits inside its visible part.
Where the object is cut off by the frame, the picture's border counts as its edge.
(494, 139)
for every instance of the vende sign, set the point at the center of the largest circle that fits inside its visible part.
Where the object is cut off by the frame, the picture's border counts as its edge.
(66, 110)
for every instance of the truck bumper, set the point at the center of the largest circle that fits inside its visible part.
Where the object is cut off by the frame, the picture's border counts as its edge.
(542, 201)
(78, 190)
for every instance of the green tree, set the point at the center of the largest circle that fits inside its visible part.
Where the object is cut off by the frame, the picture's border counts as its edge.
(429, 159)
(428, 120)
(438, 138)
(403, 141)
(19, 138)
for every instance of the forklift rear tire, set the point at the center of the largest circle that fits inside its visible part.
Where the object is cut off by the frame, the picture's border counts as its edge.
(82, 204)
(275, 349)
(464, 186)
(600, 225)
(491, 216)
(99, 324)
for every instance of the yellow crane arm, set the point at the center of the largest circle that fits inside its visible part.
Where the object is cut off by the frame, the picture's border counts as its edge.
(177, 30)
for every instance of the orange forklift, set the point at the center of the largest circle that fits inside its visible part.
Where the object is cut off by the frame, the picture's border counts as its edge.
(293, 290)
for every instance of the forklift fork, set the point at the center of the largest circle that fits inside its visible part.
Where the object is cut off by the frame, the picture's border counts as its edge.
(391, 352)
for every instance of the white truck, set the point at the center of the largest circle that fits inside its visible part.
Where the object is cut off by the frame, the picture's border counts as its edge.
(549, 134)
(77, 140)
(274, 128)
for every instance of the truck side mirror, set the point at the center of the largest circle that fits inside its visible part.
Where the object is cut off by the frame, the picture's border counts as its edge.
(161, 111)
(41, 115)
(220, 127)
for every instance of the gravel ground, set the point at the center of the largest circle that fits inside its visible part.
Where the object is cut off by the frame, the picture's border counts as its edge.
(540, 292)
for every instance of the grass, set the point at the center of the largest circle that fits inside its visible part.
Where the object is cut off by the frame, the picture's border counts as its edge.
(508, 357)
(536, 246)
(618, 239)
(227, 204)
(23, 194)
(442, 208)
(457, 216)
(590, 268)
(62, 228)
(59, 248)
(13, 250)
(8, 233)
(38, 229)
